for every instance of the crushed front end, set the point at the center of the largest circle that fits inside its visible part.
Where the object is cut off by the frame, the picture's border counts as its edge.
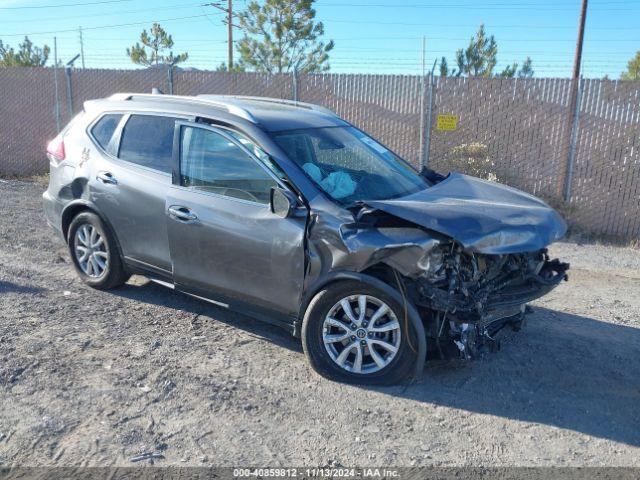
(470, 296)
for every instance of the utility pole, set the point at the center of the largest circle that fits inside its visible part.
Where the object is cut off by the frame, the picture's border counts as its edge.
(427, 146)
(578, 57)
(67, 71)
(563, 189)
(230, 27)
(422, 105)
(81, 46)
(230, 32)
(55, 82)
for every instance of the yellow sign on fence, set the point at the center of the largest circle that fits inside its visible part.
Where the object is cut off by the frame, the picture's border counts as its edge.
(447, 123)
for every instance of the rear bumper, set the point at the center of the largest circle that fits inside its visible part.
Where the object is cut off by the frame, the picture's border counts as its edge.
(53, 212)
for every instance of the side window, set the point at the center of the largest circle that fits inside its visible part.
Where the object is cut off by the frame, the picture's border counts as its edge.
(147, 140)
(258, 152)
(103, 130)
(211, 163)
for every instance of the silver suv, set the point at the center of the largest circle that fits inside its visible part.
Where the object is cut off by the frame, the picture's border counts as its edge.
(288, 213)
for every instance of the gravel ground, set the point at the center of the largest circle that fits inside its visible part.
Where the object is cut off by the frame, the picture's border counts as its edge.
(96, 378)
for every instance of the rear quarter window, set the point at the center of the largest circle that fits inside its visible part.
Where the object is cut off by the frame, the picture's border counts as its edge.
(103, 130)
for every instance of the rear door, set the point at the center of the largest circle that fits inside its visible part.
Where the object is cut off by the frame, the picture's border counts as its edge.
(225, 242)
(130, 186)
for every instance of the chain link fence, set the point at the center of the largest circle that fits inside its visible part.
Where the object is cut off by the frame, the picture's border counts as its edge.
(517, 131)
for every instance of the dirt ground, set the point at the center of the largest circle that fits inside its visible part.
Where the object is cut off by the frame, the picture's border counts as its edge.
(96, 378)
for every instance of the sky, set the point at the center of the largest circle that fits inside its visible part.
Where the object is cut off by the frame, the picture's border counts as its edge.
(371, 36)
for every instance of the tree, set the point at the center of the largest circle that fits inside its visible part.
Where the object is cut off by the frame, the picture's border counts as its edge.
(26, 56)
(444, 67)
(237, 67)
(633, 69)
(480, 57)
(157, 43)
(509, 71)
(282, 36)
(526, 71)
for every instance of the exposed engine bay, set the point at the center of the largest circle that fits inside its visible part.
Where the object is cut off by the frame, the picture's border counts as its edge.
(475, 295)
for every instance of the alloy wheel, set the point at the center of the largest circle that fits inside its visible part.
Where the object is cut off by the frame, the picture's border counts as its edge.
(361, 334)
(91, 251)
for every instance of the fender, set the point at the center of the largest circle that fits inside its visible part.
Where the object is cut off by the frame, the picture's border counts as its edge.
(414, 316)
(79, 205)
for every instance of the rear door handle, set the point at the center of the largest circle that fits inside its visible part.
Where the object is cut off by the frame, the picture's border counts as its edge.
(106, 177)
(182, 213)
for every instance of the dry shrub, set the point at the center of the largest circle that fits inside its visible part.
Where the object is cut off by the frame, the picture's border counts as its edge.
(473, 159)
(39, 178)
(564, 208)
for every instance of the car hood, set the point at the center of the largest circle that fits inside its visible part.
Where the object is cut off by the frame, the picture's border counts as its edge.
(483, 216)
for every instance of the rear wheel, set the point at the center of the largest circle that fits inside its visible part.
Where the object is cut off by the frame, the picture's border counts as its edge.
(357, 333)
(94, 252)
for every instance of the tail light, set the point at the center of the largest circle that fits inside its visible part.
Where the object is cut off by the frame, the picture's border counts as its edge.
(55, 148)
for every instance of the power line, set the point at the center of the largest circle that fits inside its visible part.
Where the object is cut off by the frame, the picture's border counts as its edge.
(365, 61)
(466, 39)
(104, 26)
(484, 6)
(195, 42)
(343, 66)
(552, 56)
(326, 20)
(64, 5)
(487, 25)
(372, 60)
(117, 13)
(337, 56)
(463, 39)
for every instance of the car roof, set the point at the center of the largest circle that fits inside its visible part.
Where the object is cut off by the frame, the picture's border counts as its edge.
(271, 114)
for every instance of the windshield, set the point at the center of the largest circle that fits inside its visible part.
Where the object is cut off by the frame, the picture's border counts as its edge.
(348, 165)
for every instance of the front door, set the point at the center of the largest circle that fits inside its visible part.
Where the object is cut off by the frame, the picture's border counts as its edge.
(224, 240)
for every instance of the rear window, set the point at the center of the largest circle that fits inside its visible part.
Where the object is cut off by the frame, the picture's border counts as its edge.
(103, 130)
(147, 140)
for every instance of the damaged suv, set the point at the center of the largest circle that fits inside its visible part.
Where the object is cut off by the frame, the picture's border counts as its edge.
(288, 213)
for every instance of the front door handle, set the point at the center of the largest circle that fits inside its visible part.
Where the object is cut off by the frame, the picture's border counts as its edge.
(106, 177)
(182, 213)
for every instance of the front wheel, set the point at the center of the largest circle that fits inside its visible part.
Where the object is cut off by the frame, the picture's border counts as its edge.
(357, 333)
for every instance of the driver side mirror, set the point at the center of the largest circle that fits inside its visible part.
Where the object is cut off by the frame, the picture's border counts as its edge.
(282, 202)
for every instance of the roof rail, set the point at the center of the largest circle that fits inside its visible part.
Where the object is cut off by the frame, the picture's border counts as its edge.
(233, 109)
(293, 103)
(118, 97)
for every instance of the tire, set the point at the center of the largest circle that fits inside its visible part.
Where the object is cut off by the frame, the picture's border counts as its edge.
(324, 359)
(105, 270)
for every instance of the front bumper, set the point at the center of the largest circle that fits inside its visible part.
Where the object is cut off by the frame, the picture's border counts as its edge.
(471, 314)
(497, 300)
